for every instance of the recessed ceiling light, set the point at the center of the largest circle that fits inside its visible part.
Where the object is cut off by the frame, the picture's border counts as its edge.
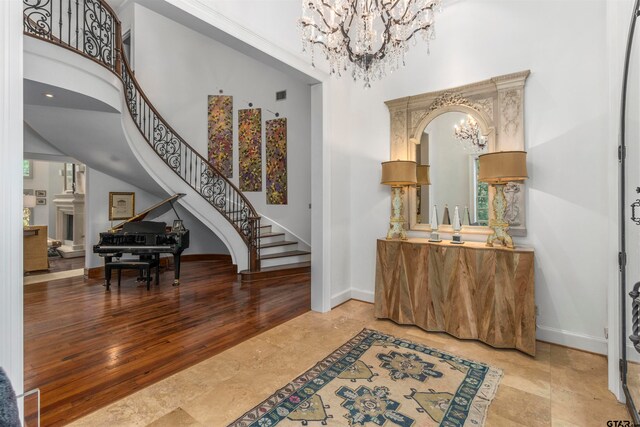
(48, 95)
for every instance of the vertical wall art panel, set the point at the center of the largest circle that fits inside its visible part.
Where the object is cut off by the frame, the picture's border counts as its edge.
(250, 149)
(276, 161)
(221, 133)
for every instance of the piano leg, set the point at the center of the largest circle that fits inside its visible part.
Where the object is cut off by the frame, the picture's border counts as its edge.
(107, 272)
(176, 269)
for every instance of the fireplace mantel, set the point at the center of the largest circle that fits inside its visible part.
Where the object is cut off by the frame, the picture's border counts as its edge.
(70, 204)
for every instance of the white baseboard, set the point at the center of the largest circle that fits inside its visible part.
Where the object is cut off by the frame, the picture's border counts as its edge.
(340, 298)
(359, 294)
(572, 339)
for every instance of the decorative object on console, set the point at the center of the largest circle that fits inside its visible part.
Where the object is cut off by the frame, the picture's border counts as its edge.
(365, 36)
(398, 174)
(468, 133)
(466, 216)
(435, 236)
(250, 149)
(457, 226)
(498, 169)
(446, 219)
(276, 152)
(121, 205)
(220, 133)
(28, 203)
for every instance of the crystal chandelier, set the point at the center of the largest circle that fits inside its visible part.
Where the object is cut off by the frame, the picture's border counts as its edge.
(468, 133)
(368, 37)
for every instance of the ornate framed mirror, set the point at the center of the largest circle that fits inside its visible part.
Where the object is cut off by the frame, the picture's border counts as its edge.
(489, 117)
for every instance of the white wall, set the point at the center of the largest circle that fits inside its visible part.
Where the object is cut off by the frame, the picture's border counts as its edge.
(178, 68)
(202, 241)
(11, 74)
(566, 114)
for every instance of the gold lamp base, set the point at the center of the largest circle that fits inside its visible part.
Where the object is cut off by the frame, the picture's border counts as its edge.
(396, 224)
(499, 225)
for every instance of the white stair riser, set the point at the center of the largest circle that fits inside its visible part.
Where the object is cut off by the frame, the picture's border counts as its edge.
(266, 229)
(285, 260)
(278, 249)
(273, 239)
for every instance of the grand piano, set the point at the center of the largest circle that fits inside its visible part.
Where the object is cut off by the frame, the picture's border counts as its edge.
(144, 238)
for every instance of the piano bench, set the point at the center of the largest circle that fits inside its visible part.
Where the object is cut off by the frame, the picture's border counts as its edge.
(143, 265)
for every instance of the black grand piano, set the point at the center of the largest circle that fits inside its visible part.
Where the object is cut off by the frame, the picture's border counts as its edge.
(146, 239)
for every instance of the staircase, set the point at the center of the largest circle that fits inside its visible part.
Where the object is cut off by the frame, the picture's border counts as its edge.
(278, 256)
(91, 29)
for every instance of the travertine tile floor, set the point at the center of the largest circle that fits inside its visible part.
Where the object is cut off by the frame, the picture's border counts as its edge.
(559, 387)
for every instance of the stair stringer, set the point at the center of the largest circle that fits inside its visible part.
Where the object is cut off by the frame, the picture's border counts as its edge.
(193, 201)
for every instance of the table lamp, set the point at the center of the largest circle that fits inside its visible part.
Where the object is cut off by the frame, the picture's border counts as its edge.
(28, 202)
(497, 169)
(398, 174)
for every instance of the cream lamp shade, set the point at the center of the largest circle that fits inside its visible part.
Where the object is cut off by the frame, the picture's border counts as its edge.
(502, 167)
(28, 201)
(422, 175)
(398, 173)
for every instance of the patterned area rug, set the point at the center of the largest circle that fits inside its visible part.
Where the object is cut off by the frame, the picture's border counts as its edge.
(377, 379)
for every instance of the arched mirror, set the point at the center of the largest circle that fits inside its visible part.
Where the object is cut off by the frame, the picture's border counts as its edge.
(448, 130)
(450, 144)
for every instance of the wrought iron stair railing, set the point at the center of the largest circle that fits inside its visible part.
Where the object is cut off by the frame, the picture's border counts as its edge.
(92, 29)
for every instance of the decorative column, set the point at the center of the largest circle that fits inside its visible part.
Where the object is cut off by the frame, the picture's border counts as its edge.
(11, 122)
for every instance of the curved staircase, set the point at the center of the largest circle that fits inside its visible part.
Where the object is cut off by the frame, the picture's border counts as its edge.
(92, 29)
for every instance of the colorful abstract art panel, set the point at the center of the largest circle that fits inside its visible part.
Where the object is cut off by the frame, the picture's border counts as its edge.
(220, 133)
(250, 149)
(276, 161)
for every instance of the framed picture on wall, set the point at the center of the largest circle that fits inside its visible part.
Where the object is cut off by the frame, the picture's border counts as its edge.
(41, 201)
(41, 193)
(121, 205)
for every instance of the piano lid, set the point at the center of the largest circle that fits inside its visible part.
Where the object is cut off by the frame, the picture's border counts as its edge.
(153, 212)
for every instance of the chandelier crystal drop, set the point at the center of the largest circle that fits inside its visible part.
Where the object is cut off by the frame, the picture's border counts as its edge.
(366, 37)
(468, 133)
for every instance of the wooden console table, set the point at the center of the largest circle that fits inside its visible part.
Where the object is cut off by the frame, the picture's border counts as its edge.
(35, 256)
(470, 291)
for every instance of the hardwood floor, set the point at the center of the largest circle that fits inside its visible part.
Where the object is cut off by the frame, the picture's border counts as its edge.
(86, 348)
(57, 264)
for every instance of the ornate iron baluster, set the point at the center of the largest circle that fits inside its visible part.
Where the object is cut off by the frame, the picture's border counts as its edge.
(37, 19)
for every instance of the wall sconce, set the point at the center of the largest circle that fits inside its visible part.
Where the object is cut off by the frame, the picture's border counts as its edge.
(498, 169)
(398, 174)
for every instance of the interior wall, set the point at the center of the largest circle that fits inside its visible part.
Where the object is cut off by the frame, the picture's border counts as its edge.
(565, 132)
(566, 119)
(200, 66)
(202, 240)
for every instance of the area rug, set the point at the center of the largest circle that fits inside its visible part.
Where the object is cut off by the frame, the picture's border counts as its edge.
(376, 379)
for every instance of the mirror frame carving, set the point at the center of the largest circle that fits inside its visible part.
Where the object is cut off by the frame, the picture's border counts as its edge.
(498, 106)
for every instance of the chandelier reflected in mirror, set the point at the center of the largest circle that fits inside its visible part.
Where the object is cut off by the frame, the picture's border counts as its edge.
(366, 37)
(468, 133)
